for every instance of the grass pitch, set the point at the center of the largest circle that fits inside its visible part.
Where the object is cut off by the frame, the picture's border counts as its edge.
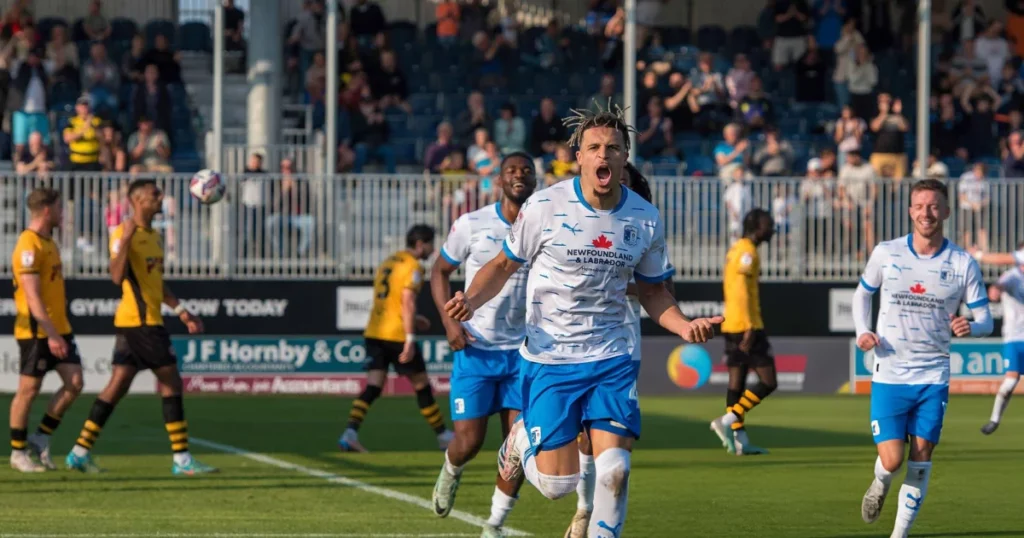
(683, 483)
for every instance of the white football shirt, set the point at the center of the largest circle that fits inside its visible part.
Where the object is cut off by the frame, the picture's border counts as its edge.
(581, 261)
(918, 296)
(475, 239)
(1012, 283)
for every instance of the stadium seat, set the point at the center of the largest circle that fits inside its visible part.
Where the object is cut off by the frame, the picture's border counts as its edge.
(697, 162)
(195, 36)
(45, 26)
(743, 39)
(711, 38)
(405, 150)
(403, 32)
(122, 29)
(162, 27)
(673, 35)
(423, 103)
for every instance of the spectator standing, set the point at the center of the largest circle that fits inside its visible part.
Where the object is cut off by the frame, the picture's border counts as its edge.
(150, 149)
(889, 127)
(680, 105)
(549, 48)
(606, 96)
(34, 157)
(811, 73)
(132, 66)
(774, 158)
(488, 65)
(102, 79)
(253, 195)
(96, 26)
(473, 153)
(473, 19)
(290, 219)
(861, 81)
(234, 27)
(546, 131)
(371, 137)
(309, 32)
(846, 56)
(858, 190)
(755, 111)
(992, 47)
(708, 88)
(790, 44)
(1015, 25)
(474, 117)
(316, 79)
(731, 152)
(82, 137)
(766, 24)
(439, 149)
(113, 157)
(27, 100)
(737, 200)
(849, 134)
(974, 199)
(388, 84)
(509, 130)
(816, 197)
(655, 133)
(167, 61)
(447, 14)
(968, 21)
(967, 67)
(1013, 164)
(829, 16)
(981, 137)
(946, 127)
(1010, 89)
(367, 21)
(153, 101)
(59, 42)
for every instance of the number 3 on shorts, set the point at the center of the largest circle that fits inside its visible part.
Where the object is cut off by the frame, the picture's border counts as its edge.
(874, 428)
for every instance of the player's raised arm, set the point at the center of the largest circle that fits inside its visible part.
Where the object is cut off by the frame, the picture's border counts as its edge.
(999, 258)
(191, 321)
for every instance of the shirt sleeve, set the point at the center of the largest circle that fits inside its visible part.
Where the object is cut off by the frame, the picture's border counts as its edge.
(456, 247)
(526, 237)
(1011, 285)
(1019, 256)
(871, 279)
(654, 265)
(115, 241)
(975, 296)
(745, 261)
(28, 257)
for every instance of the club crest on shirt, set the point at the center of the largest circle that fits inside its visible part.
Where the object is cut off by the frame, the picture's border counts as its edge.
(947, 276)
(28, 258)
(631, 235)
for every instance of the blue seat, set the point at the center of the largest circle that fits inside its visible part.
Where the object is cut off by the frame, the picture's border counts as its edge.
(122, 29)
(743, 39)
(696, 162)
(402, 32)
(405, 150)
(195, 36)
(45, 26)
(162, 27)
(673, 35)
(423, 103)
(711, 38)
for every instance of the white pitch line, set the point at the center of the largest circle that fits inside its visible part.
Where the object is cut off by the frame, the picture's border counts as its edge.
(222, 535)
(352, 483)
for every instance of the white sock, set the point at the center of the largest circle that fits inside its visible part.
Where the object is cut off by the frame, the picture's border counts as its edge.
(883, 476)
(182, 458)
(729, 419)
(912, 493)
(1003, 398)
(80, 451)
(454, 470)
(501, 505)
(18, 452)
(611, 492)
(585, 489)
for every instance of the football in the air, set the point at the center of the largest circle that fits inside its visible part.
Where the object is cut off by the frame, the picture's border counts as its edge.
(207, 186)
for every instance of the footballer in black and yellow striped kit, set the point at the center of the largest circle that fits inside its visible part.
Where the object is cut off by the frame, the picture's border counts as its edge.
(746, 343)
(391, 337)
(43, 332)
(141, 341)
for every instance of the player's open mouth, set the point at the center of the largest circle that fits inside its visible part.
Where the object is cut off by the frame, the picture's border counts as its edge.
(604, 175)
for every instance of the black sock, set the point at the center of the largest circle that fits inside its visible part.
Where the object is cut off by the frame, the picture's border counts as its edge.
(19, 438)
(362, 406)
(98, 416)
(48, 424)
(175, 423)
(429, 409)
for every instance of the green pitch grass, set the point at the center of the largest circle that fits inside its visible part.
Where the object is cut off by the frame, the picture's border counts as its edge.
(683, 484)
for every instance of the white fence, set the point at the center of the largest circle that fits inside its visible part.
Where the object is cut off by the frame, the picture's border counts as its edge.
(341, 227)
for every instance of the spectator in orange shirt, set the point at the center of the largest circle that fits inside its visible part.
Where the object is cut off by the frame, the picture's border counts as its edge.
(447, 14)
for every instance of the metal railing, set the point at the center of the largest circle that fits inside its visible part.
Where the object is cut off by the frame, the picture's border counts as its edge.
(341, 227)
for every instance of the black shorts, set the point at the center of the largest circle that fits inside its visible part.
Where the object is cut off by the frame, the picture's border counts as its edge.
(380, 354)
(144, 348)
(760, 351)
(36, 358)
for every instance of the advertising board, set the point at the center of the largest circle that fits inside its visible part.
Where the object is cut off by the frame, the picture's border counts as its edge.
(96, 352)
(976, 366)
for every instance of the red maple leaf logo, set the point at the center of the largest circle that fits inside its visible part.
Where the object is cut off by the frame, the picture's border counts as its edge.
(601, 242)
(917, 288)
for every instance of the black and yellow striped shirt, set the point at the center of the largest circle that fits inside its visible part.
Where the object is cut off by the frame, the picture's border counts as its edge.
(85, 150)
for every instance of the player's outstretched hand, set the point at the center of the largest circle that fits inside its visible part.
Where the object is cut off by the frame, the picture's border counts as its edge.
(422, 323)
(701, 329)
(458, 308)
(960, 326)
(867, 341)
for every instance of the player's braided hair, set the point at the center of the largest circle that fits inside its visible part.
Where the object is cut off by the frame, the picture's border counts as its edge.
(580, 120)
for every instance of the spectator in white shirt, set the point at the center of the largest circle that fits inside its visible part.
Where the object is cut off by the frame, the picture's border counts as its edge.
(974, 204)
(59, 42)
(849, 133)
(846, 54)
(936, 168)
(992, 47)
(861, 80)
(816, 197)
(858, 190)
(738, 201)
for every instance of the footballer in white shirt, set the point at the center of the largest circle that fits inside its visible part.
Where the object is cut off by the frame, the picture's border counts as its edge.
(584, 239)
(485, 376)
(1009, 290)
(923, 278)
